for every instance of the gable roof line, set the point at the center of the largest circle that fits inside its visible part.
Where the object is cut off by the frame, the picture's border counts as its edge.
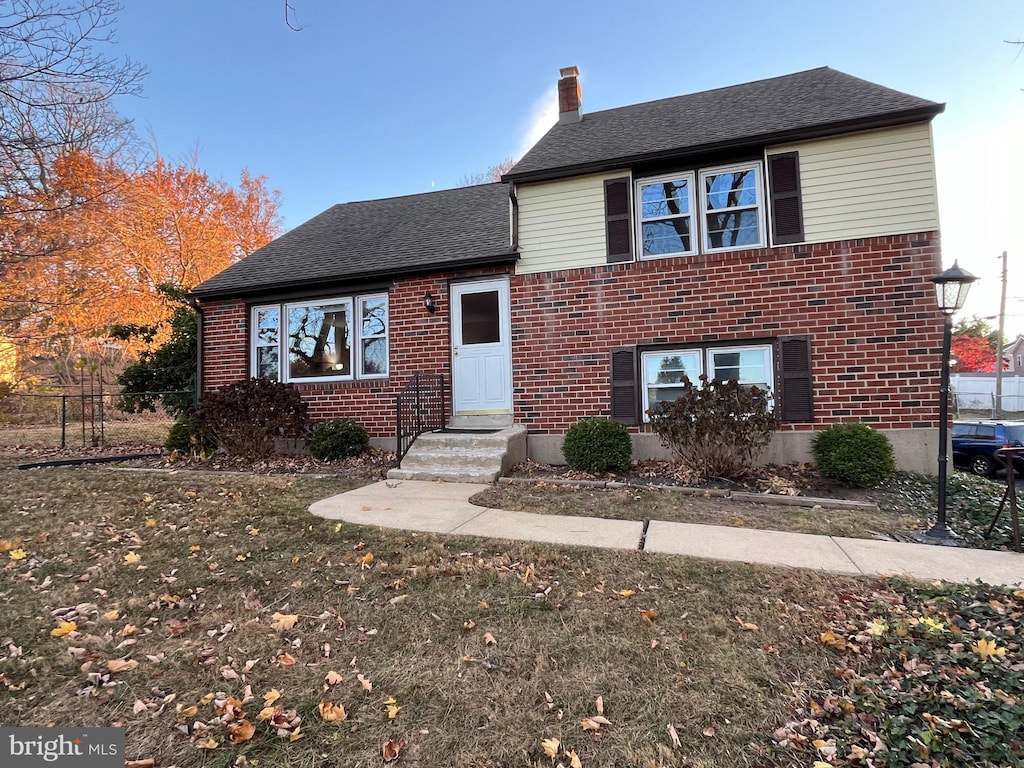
(776, 137)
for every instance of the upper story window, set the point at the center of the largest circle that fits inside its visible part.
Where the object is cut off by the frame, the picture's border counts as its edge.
(730, 201)
(327, 340)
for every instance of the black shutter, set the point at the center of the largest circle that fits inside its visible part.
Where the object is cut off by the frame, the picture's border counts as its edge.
(623, 378)
(787, 207)
(616, 218)
(795, 354)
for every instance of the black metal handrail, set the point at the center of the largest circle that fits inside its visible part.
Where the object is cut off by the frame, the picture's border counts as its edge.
(420, 408)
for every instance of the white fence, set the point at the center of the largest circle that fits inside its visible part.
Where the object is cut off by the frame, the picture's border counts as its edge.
(977, 391)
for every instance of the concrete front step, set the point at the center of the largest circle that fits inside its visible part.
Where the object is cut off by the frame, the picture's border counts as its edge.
(467, 457)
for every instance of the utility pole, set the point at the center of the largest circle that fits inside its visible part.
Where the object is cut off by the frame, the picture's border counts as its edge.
(998, 405)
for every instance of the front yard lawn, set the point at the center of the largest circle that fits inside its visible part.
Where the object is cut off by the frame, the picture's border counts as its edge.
(221, 625)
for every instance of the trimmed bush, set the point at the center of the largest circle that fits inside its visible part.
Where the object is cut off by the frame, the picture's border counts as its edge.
(597, 445)
(184, 438)
(338, 439)
(244, 418)
(854, 454)
(715, 428)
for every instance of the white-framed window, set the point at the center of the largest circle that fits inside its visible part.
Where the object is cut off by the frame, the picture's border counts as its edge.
(665, 216)
(732, 207)
(717, 209)
(336, 339)
(663, 370)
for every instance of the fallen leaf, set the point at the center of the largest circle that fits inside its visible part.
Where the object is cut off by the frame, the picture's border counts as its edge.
(489, 639)
(366, 560)
(187, 711)
(367, 685)
(286, 659)
(649, 614)
(397, 600)
(139, 706)
(241, 732)
(484, 605)
(626, 592)
(6, 545)
(672, 734)
(208, 743)
(830, 638)
(64, 628)
(574, 760)
(390, 750)
(467, 626)
(271, 696)
(333, 678)
(151, 522)
(746, 626)
(228, 673)
(131, 558)
(283, 621)
(599, 705)
(588, 724)
(550, 747)
(111, 615)
(121, 665)
(332, 713)
(393, 708)
(17, 554)
(709, 731)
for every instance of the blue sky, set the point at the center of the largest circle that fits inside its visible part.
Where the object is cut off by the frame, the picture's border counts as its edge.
(379, 99)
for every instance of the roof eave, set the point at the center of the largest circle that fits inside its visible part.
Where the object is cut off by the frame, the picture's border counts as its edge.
(777, 137)
(282, 286)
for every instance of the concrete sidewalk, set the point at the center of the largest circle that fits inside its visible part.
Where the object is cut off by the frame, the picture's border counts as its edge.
(417, 505)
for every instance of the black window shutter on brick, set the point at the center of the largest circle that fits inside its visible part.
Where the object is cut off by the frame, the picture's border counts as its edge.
(795, 353)
(623, 378)
(787, 207)
(616, 218)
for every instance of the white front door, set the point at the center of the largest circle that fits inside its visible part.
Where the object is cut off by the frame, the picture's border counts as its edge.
(481, 348)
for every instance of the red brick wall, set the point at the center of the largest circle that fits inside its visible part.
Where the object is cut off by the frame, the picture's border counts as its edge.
(867, 304)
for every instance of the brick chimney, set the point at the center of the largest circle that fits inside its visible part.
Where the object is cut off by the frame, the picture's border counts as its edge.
(570, 97)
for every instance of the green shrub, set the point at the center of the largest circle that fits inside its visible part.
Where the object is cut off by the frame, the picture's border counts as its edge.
(184, 438)
(597, 445)
(854, 454)
(244, 418)
(715, 428)
(338, 439)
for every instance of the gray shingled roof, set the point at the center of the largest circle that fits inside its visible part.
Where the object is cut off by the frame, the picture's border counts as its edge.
(812, 103)
(376, 238)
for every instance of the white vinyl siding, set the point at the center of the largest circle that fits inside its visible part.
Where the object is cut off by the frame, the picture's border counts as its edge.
(867, 184)
(562, 224)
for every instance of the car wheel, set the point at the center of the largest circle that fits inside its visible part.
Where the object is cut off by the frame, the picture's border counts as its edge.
(982, 465)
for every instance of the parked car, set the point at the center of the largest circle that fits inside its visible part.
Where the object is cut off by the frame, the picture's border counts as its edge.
(976, 442)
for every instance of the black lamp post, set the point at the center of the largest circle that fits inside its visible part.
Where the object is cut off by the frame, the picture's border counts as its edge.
(951, 289)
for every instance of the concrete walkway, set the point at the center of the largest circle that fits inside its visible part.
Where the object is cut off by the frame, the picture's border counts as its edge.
(416, 505)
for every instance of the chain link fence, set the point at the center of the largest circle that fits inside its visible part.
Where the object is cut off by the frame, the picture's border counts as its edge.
(79, 419)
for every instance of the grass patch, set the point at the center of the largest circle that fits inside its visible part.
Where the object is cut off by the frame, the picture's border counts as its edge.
(146, 432)
(223, 555)
(672, 506)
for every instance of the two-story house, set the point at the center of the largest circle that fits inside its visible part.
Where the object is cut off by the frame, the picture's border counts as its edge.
(780, 232)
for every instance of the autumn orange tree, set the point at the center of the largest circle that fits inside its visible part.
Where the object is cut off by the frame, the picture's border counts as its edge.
(973, 354)
(101, 261)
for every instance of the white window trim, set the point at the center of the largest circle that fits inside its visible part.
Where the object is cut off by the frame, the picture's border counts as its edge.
(359, 301)
(759, 206)
(645, 387)
(354, 303)
(254, 345)
(707, 361)
(639, 184)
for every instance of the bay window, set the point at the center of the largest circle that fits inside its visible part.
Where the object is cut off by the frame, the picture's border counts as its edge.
(326, 340)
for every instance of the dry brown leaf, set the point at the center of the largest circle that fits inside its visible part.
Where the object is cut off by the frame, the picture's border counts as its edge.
(121, 665)
(111, 615)
(366, 560)
(489, 639)
(187, 711)
(393, 708)
(268, 713)
(131, 558)
(139, 706)
(746, 626)
(626, 592)
(241, 731)
(709, 731)
(484, 605)
(271, 696)
(283, 621)
(286, 659)
(672, 734)
(367, 685)
(467, 626)
(587, 724)
(332, 713)
(599, 705)
(228, 673)
(600, 720)
(398, 599)
(649, 614)
(550, 747)
(390, 750)
(333, 678)
(148, 762)
(574, 760)
(208, 743)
